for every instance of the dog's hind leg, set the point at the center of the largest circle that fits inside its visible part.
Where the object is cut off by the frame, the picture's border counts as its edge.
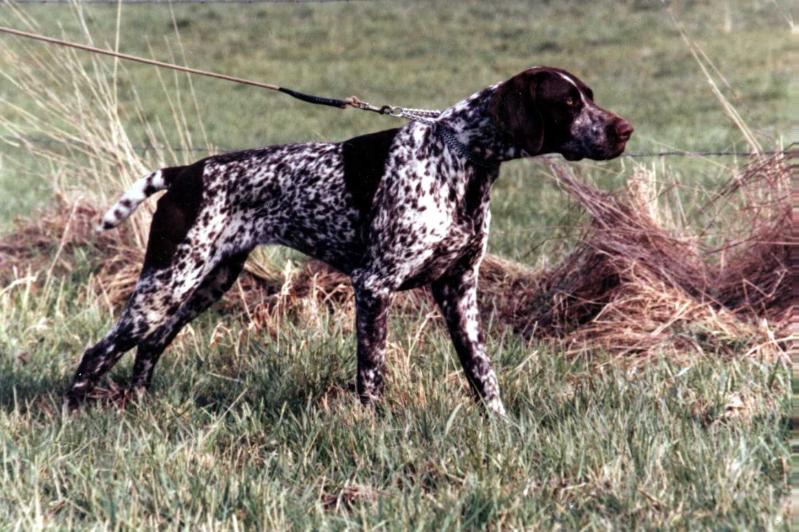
(180, 254)
(158, 297)
(211, 290)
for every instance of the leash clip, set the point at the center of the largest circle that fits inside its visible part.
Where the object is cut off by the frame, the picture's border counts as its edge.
(390, 110)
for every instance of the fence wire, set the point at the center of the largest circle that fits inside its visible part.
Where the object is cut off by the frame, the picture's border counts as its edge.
(791, 150)
(167, 2)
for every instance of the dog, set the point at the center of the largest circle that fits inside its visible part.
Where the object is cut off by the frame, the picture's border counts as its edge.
(395, 210)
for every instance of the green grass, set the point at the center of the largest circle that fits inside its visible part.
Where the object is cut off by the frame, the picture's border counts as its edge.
(262, 429)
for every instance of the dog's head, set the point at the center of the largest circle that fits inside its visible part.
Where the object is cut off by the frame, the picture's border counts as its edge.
(548, 110)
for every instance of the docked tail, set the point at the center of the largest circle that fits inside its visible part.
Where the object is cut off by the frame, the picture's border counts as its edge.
(137, 193)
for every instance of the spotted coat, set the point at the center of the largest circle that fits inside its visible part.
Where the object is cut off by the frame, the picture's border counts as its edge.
(396, 209)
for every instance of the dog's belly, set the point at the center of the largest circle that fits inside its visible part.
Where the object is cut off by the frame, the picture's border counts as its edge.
(342, 250)
(306, 206)
(432, 270)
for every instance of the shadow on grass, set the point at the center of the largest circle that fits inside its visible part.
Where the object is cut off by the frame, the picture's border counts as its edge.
(27, 393)
(31, 394)
(291, 393)
(274, 394)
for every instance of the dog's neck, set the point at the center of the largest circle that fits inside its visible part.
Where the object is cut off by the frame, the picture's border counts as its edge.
(470, 124)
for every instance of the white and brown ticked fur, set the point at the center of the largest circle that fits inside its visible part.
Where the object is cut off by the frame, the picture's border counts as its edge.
(395, 210)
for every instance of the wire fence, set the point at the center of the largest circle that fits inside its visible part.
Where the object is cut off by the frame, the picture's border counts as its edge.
(167, 2)
(791, 150)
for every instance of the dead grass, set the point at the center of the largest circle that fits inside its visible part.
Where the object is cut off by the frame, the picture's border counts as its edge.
(632, 286)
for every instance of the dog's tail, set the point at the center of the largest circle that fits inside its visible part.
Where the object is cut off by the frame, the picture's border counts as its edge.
(137, 193)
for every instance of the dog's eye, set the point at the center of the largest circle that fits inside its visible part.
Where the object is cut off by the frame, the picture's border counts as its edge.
(571, 102)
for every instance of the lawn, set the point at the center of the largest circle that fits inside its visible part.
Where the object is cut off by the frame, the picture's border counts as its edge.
(259, 426)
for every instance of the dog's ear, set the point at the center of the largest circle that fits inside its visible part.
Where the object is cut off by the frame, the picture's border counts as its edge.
(514, 111)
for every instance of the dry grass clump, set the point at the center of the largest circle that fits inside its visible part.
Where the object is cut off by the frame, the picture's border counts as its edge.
(46, 244)
(633, 286)
(753, 269)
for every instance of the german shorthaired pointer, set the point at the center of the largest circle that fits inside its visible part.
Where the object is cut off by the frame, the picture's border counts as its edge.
(395, 210)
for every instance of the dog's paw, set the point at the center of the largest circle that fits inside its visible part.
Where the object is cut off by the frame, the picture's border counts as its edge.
(71, 402)
(496, 408)
(103, 226)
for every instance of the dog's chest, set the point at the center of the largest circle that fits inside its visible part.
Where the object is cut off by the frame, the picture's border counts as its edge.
(434, 213)
(459, 244)
(463, 240)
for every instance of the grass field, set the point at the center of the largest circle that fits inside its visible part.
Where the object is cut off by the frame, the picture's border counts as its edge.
(262, 429)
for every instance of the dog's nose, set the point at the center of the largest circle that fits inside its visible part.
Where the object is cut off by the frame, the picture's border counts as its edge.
(624, 129)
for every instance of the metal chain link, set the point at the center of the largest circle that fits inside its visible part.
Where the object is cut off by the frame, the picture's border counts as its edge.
(423, 116)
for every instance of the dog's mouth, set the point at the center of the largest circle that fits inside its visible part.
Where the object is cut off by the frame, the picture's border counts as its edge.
(572, 156)
(617, 150)
(604, 153)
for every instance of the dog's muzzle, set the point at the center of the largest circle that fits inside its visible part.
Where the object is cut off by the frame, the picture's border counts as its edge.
(598, 135)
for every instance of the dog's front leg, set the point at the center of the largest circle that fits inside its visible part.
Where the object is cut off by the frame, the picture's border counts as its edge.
(456, 296)
(371, 322)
